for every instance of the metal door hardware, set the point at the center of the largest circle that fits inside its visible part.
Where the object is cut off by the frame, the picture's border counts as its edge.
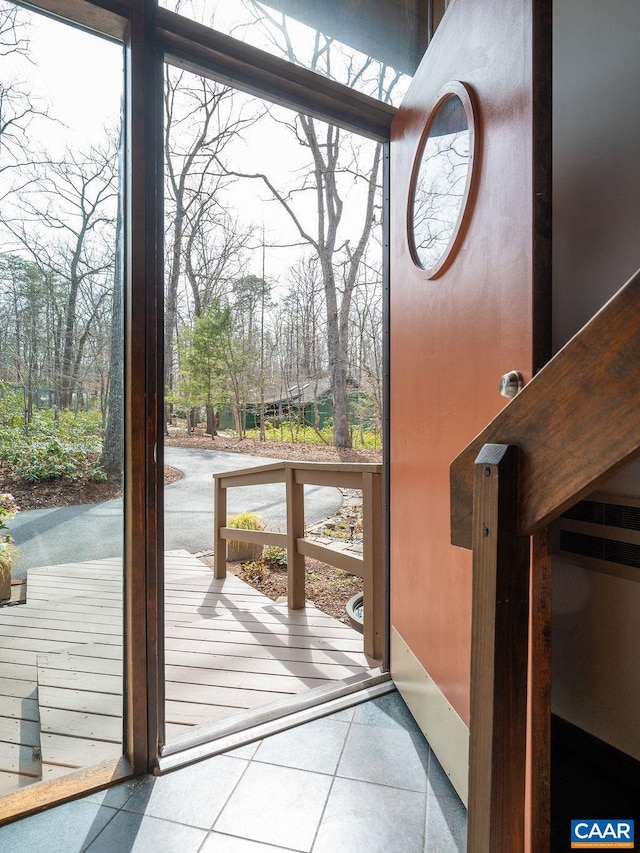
(511, 384)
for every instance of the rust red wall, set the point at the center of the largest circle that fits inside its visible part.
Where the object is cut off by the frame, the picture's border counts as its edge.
(452, 338)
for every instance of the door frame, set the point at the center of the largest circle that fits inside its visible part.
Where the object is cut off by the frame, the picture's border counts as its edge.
(151, 36)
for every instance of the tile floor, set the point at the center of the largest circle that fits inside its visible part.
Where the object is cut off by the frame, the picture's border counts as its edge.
(360, 780)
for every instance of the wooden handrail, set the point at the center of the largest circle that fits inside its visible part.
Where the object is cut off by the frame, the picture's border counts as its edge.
(499, 645)
(364, 476)
(575, 423)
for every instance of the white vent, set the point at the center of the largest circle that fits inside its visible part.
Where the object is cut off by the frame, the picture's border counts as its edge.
(602, 533)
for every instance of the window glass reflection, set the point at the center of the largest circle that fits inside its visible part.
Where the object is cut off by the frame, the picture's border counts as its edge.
(374, 48)
(441, 182)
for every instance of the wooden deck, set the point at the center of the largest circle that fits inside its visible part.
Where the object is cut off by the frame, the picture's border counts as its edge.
(228, 649)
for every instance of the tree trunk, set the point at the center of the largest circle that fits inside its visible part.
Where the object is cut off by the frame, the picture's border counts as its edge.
(112, 459)
(337, 366)
(211, 421)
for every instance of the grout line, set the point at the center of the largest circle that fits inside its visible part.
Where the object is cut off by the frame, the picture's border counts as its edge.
(333, 780)
(100, 807)
(231, 793)
(266, 844)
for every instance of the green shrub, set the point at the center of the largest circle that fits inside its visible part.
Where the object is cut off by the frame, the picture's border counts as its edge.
(11, 407)
(53, 445)
(237, 550)
(49, 460)
(246, 521)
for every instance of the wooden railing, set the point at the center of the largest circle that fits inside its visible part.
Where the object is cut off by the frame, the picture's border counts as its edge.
(296, 475)
(573, 425)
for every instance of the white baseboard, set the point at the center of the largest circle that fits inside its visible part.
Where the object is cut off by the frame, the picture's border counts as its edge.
(447, 734)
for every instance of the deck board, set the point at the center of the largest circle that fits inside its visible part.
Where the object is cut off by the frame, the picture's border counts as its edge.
(212, 646)
(75, 752)
(12, 707)
(10, 782)
(81, 700)
(271, 666)
(19, 759)
(228, 649)
(193, 713)
(20, 732)
(62, 721)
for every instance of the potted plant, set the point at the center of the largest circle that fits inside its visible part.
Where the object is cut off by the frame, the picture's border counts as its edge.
(242, 551)
(8, 551)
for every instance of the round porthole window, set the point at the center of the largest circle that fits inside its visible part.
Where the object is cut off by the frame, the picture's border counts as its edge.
(442, 180)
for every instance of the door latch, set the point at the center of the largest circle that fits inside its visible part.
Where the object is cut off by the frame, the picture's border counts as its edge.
(511, 384)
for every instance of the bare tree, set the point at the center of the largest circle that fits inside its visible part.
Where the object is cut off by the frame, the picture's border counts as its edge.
(334, 156)
(18, 106)
(214, 253)
(339, 274)
(66, 223)
(365, 357)
(112, 459)
(305, 305)
(201, 119)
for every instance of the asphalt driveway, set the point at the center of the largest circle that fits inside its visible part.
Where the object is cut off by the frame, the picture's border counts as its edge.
(93, 531)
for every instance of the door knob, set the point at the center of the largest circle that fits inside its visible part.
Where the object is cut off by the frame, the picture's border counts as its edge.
(511, 384)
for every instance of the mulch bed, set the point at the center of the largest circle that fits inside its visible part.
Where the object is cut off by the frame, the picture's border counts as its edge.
(328, 588)
(47, 494)
(54, 493)
(273, 449)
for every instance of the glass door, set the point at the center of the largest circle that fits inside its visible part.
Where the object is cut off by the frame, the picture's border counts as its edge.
(61, 399)
(272, 336)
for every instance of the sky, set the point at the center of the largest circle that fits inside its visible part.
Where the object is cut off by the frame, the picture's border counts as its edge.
(79, 77)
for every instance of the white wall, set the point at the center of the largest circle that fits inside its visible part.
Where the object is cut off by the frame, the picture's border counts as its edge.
(596, 209)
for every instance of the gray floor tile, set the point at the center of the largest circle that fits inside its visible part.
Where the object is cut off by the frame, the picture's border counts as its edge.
(115, 796)
(247, 751)
(446, 825)
(363, 817)
(385, 756)
(346, 715)
(218, 843)
(69, 828)
(389, 710)
(193, 795)
(314, 746)
(129, 832)
(276, 805)
(270, 796)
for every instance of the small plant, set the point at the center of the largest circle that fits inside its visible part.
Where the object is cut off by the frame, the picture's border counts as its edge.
(8, 555)
(8, 551)
(253, 572)
(97, 474)
(8, 509)
(237, 550)
(274, 557)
